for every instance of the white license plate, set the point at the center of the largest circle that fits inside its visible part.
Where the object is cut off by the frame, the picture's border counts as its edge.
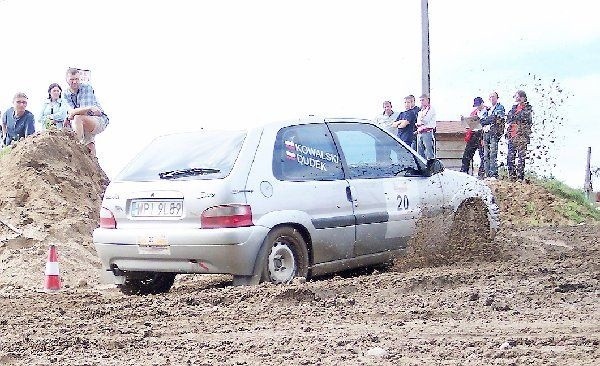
(156, 208)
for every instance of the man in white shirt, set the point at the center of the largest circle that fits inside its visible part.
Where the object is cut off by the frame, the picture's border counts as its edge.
(426, 124)
(386, 120)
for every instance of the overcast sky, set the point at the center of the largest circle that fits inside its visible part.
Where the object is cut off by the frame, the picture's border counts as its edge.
(166, 66)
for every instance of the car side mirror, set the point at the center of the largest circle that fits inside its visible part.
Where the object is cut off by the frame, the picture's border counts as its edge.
(434, 166)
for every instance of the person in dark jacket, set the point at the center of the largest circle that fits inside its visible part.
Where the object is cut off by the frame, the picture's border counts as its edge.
(493, 128)
(407, 122)
(473, 138)
(518, 133)
(17, 122)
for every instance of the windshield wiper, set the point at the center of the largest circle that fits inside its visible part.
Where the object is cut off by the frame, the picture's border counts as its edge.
(187, 172)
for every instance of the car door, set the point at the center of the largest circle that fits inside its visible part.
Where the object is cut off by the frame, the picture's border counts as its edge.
(388, 186)
(307, 187)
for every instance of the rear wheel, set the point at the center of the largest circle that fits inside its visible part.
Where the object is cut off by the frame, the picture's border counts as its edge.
(286, 256)
(145, 283)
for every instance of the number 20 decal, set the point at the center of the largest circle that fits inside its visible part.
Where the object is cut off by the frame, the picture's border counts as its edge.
(403, 203)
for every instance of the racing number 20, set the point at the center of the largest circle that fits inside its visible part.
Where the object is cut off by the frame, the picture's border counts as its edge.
(403, 202)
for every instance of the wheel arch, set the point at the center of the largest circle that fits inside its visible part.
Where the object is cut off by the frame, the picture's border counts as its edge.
(478, 201)
(305, 236)
(472, 193)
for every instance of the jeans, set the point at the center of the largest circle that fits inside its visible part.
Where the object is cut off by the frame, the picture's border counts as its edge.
(517, 148)
(490, 154)
(426, 145)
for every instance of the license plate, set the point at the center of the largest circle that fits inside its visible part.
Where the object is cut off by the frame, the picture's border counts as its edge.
(153, 244)
(153, 241)
(156, 208)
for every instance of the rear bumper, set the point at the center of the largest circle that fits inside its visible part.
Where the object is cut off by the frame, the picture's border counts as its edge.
(229, 251)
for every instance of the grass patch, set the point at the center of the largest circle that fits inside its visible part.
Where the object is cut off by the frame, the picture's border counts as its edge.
(578, 208)
(530, 208)
(5, 151)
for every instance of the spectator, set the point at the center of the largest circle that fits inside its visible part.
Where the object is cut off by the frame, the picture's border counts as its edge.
(493, 128)
(386, 120)
(473, 137)
(54, 110)
(407, 122)
(426, 124)
(17, 122)
(518, 132)
(85, 114)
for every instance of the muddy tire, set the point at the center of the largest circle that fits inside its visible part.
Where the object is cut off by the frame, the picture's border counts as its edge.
(470, 235)
(470, 223)
(146, 283)
(285, 256)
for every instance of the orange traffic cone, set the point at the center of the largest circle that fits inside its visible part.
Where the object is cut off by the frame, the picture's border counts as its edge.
(52, 282)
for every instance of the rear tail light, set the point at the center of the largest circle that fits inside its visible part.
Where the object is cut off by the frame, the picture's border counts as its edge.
(226, 216)
(107, 219)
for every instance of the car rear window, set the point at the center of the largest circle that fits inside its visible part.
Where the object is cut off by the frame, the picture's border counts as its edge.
(209, 154)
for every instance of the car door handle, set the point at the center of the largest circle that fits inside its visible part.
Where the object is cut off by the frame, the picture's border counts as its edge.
(349, 194)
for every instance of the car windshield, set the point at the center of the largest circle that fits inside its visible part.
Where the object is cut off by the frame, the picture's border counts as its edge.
(201, 155)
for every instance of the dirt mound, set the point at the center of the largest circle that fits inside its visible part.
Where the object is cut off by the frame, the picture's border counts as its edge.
(528, 204)
(51, 194)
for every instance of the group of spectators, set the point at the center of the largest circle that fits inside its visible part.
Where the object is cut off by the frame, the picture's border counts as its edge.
(75, 110)
(493, 124)
(416, 127)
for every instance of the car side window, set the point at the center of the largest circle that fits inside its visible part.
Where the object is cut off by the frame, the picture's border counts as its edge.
(371, 153)
(306, 152)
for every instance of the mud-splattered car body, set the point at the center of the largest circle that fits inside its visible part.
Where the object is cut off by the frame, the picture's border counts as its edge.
(284, 200)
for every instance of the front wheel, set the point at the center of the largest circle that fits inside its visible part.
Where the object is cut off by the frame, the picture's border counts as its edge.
(286, 256)
(145, 283)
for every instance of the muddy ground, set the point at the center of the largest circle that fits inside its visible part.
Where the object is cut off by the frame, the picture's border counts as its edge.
(533, 300)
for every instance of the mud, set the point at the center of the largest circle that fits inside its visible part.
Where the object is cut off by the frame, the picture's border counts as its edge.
(530, 296)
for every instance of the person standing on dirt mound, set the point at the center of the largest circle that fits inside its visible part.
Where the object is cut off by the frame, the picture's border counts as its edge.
(54, 110)
(473, 138)
(17, 122)
(493, 128)
(518, 132)
(85, 115)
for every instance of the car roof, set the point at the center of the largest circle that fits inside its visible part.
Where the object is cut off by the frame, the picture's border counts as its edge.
(312, 119)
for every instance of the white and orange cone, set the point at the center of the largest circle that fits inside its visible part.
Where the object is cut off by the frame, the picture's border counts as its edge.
(52, 282)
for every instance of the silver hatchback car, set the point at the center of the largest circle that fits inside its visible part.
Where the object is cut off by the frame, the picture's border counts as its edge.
(284, 200)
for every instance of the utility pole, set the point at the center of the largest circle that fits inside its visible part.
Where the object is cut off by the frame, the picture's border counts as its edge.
(587, 186)
(425, 70)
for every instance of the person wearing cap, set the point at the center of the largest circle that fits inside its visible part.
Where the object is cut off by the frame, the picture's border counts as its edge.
(386, 120)
(17, 122)
(518, 132)
(54, 110)
(426, 124)
(473, 138)
(84, 113)
(493, 128)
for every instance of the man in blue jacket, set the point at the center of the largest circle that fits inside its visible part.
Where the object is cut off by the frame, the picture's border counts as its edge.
(407, 122)
(493, 129)
(17, 122)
